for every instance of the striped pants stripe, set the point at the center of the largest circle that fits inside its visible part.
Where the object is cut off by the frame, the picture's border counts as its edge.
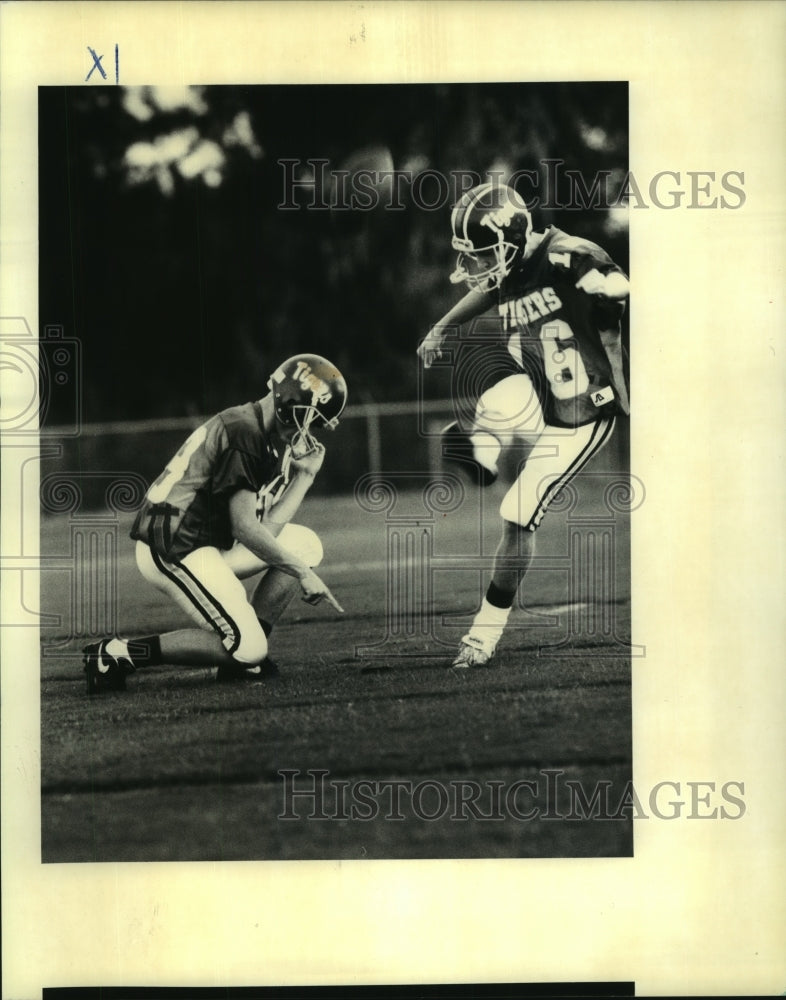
(560, 454)
(207, 585)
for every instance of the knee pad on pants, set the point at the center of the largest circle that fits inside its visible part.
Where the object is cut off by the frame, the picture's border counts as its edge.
(302, 542)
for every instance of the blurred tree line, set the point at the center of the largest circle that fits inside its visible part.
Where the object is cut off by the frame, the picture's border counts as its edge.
(163, 248)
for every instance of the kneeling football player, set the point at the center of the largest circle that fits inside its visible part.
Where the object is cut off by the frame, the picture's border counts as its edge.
(221, 512)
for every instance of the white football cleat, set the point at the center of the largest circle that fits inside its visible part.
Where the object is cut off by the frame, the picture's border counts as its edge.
(473, 652)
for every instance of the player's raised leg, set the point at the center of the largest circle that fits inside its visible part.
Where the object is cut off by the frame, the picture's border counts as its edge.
(508, 411)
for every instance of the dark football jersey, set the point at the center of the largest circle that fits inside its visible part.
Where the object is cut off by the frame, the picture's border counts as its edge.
(567, 340)
(187, 507)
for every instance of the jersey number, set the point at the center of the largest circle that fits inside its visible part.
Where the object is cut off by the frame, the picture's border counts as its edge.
(563, 364)
(176, 469)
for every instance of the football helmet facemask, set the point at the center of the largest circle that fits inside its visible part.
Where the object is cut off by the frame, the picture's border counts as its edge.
(490, 226)
(308, 392)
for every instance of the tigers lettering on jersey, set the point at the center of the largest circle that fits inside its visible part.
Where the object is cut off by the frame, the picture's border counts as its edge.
(570, 338)
(530, 308)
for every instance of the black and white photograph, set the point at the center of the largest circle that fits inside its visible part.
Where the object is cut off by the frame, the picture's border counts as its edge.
(383, 531)
(364, 346)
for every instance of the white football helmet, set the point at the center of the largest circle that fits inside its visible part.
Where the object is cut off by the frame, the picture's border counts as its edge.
(490, 226)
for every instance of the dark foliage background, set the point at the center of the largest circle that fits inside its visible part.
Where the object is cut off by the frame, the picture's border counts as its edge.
(164, 251)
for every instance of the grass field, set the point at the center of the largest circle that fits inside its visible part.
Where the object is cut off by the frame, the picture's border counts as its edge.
(178, 768)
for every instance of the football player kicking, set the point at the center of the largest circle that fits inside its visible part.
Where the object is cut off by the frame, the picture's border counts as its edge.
(560, 300)
(221, 512)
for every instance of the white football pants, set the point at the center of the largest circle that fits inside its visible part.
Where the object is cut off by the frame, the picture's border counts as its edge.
(510, 412)
(206, 584)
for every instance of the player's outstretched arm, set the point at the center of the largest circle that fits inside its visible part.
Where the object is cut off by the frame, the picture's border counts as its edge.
(472, 304)
(261, 540)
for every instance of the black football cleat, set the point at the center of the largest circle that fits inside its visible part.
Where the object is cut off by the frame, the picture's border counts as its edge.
(103, 670)
(458, 448)
(235, 673)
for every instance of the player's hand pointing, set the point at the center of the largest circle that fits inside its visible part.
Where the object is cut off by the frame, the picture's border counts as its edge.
(316, 590)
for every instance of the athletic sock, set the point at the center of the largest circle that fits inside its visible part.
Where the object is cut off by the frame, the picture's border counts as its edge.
(144, 652)
(489, 623)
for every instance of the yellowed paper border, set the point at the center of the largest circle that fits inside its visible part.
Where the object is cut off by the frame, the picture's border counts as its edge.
(700, 908)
